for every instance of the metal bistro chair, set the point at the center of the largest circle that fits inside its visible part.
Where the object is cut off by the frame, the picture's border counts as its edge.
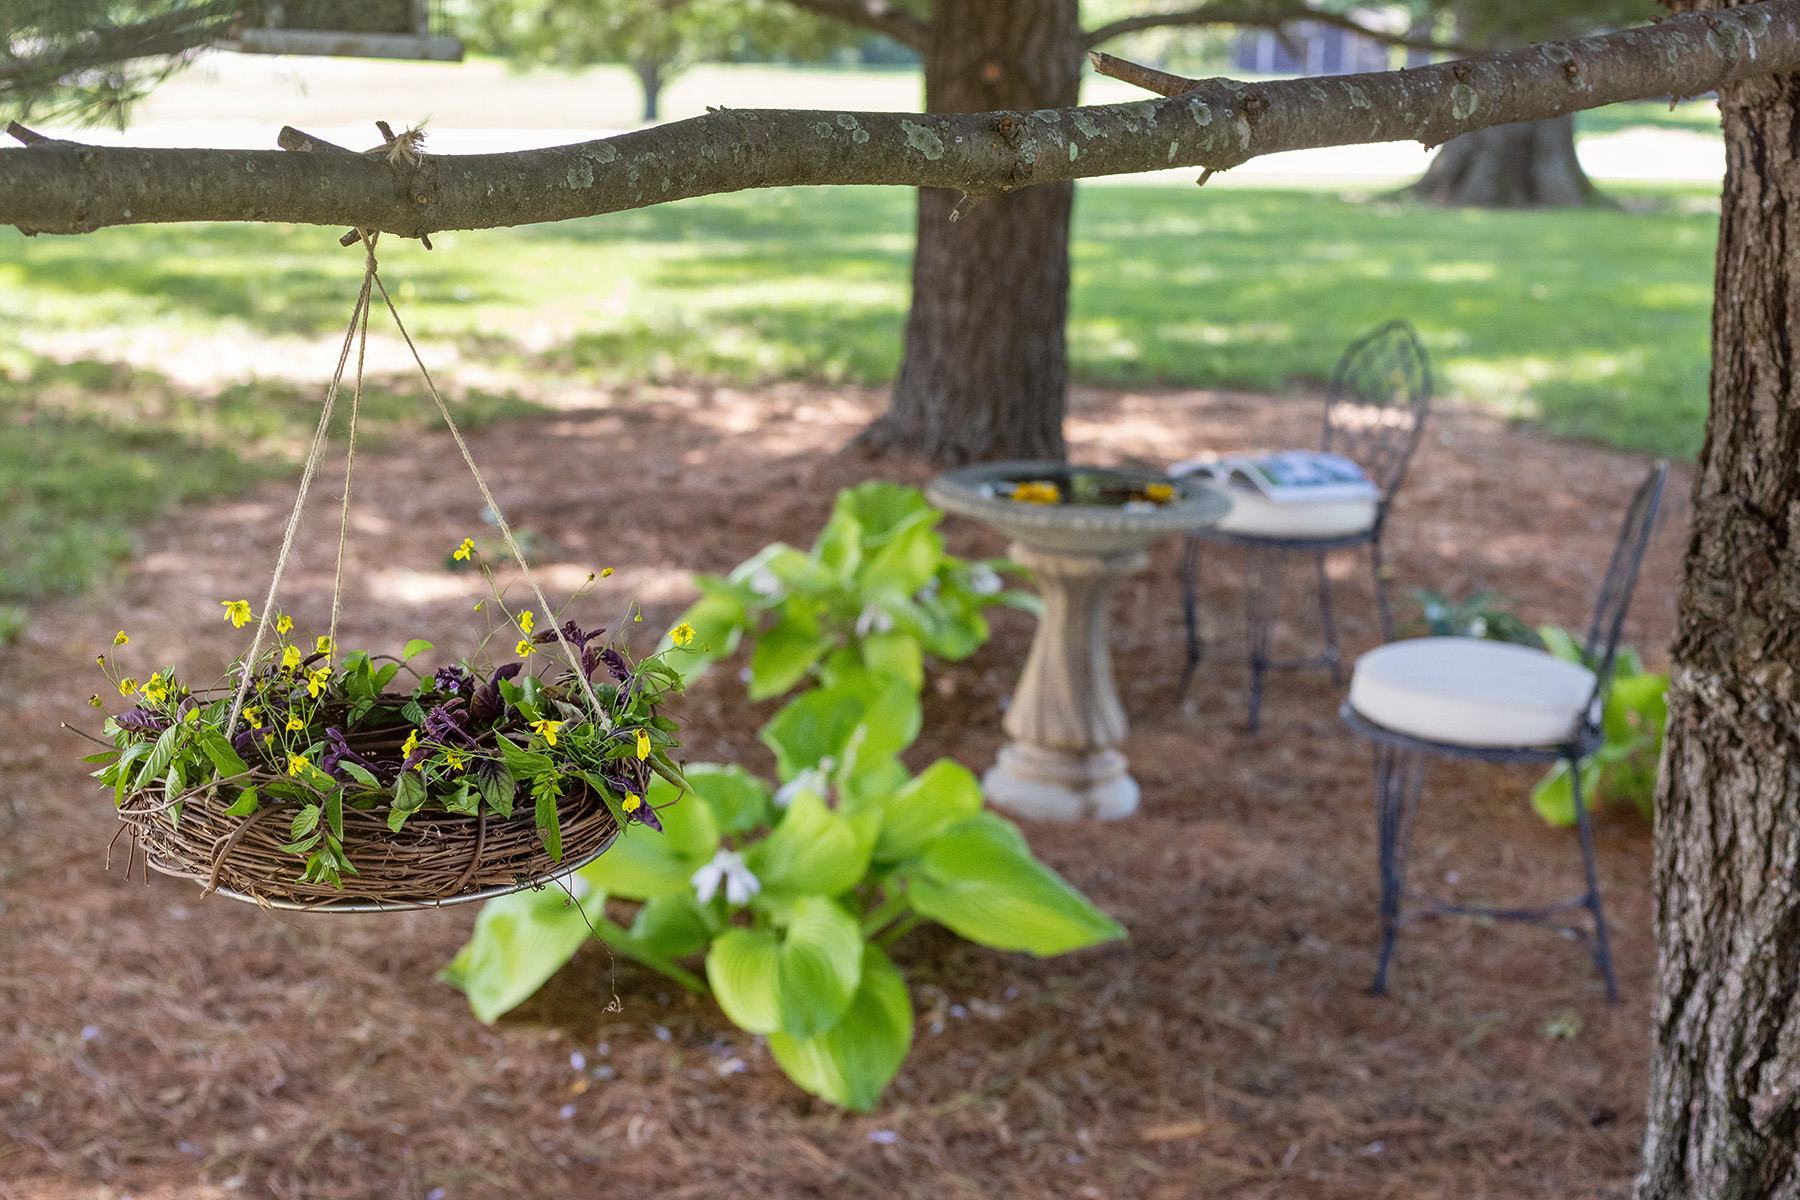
(1374, 414)
(1496, 702)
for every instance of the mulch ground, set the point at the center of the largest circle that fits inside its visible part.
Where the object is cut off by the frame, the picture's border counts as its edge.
(155, 1044)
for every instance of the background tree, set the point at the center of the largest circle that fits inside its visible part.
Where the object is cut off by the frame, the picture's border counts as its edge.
(1531, 164)
(655, 38)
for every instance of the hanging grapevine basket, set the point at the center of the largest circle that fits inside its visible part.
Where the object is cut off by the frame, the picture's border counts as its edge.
(309, 781)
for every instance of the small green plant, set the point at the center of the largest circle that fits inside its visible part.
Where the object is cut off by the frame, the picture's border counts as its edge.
(792, 895)
(1625, 765)
(13, 622)
(1479, 616)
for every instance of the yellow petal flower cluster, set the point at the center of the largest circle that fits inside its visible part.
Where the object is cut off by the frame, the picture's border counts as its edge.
(237, 612)
(1037, 492)
(546, 730)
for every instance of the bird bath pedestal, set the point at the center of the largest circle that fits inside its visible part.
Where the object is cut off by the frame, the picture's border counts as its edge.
(1065, 720)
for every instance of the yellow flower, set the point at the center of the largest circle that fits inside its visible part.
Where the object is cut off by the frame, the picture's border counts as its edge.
(99, 660)
(119, 638)
(284, 625)
(631, 804)
(643, 745)
(547, 729)
(127, 686)
(95, 700)
(297, 763)
(237, 612)
(253, 717)
(315, 682)
(408, 746)
(454, 759)
(523, 649)
(1161, 493)
(324, 645)
(155, 688)
(294, 722)
(290, 659)
(526, 621)
(606, 572)
(1037, 492)
(267, 738)
(682, 634)
(465, 550)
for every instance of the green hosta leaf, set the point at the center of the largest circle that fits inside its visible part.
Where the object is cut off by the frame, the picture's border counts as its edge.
(644, 863)
(895, 654)
(741, 967)
(980, 879)
(823, 721)
(852, 1063)
(882, 508)
(519, 941)
(673, 925)
(839, 545)
(739, 800)
(1560, 642)
(818, 968)
(1554, 797)
(902, 564)
(814, 851)
(944, 794)
(799, 573)
(784, 655)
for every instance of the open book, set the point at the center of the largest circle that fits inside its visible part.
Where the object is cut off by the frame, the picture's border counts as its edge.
(1286, 477)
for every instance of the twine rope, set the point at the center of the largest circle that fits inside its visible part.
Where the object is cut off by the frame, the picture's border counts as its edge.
(600, 717)
(362, 352)
(313, 458)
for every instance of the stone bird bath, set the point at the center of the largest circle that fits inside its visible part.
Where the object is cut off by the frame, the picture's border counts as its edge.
(1065, 720)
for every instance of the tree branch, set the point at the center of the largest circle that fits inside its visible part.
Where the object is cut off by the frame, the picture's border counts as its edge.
(1216, 124)
(879, 15)
(1266, 16)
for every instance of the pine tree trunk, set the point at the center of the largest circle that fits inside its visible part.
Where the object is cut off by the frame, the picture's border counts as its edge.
(1528, 165)
(984, 374)
(650, 76)
(1724, 1108)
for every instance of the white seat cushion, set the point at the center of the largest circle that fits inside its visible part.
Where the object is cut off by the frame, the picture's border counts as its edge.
(1471, 692)
(1255, 514)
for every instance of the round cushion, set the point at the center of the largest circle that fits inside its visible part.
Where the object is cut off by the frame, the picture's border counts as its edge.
(1471, 692)
(1255, 514)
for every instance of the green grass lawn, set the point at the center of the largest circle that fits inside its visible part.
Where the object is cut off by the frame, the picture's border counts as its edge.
(1594, 322)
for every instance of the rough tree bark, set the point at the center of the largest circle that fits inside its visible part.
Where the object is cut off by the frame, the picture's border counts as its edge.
(1528, 165)
(1724, 1107)
(984, 371)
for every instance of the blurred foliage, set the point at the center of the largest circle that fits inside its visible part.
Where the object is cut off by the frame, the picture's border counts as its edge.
(1481, 615)
(88, 61)
(1625, 766)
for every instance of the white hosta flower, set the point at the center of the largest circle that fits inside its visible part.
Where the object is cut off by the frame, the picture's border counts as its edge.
(816, 780)
(928, 591)
(874, 618)
(574, 885)
(984, 580)
(765, 582)
(727, 867)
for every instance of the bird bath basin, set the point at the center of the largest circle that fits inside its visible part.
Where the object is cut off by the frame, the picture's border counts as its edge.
(1065, 720)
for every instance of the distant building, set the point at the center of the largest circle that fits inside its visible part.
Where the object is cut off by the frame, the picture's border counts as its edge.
(1309, 48)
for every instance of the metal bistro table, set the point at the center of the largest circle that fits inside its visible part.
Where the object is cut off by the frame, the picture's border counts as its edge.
(1065, 722)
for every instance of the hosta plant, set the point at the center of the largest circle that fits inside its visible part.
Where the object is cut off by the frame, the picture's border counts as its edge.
(782, 899)
(1624, 768)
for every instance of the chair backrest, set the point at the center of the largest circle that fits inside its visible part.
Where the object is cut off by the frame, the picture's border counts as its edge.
(1375, 406)
(1619, 583)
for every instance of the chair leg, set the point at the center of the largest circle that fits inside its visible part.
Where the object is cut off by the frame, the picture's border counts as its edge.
(1399, 777)
(1381, 595)
(1329, 620)
(1190, 599)
(1602, 950)
(1262, 604)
